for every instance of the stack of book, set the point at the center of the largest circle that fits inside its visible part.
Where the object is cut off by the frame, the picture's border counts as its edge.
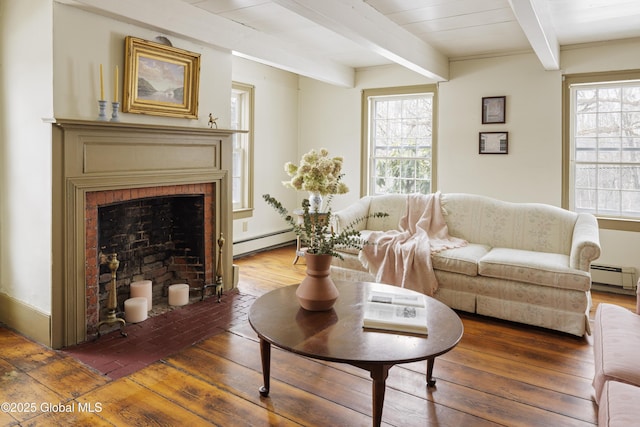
(396, 312)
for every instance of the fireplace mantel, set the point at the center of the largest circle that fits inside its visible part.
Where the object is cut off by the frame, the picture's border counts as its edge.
(99, 156)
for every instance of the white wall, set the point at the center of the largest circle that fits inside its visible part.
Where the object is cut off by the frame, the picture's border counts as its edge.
(335, 128)
(532, 170)
(26, 64)
(83, 41)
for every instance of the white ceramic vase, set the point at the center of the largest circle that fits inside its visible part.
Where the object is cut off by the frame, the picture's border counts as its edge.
(315, 202)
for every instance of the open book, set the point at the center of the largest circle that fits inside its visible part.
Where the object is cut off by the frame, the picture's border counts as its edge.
(395, 312)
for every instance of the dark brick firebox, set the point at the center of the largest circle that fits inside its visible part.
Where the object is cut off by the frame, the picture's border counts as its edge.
(163, 234)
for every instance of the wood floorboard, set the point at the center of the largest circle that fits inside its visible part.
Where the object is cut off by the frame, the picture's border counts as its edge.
(291, 402)
(206, 398)
(500, 374)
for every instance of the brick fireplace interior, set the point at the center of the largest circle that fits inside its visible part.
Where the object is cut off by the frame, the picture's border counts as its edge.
(164, 234)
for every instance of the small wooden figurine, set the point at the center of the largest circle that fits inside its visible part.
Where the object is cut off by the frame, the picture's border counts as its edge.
(212, 121)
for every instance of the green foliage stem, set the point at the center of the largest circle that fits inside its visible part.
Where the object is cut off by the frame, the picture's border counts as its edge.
(316, 231)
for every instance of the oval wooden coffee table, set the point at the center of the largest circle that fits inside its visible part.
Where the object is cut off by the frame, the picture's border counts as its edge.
(337, 335)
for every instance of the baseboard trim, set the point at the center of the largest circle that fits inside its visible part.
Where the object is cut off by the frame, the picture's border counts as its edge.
(259, 243)
(25, 319)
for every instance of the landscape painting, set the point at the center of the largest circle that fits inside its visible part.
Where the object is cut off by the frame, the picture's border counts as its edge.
(160, 81)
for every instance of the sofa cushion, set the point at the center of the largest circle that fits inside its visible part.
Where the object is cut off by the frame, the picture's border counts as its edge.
(540, 268)
(462, 260)
(616, 345)
(619, 405)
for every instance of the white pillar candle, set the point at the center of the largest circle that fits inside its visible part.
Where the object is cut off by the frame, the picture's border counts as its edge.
(135, 309)
(142, 288)
(179, 294)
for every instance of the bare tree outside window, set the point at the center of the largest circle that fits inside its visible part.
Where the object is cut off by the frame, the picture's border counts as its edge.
(605, 141)
(400, 143)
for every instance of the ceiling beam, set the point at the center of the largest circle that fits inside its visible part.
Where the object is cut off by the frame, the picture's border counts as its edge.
(533, 16)
(361, 23)
(180, 19)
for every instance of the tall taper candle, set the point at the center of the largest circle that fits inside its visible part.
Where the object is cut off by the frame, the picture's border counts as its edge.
(115, 87)
(101, 85)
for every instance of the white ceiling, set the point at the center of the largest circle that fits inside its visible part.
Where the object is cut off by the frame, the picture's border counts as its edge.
(329, 39)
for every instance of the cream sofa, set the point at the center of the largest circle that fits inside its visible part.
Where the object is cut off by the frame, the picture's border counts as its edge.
(524, 262)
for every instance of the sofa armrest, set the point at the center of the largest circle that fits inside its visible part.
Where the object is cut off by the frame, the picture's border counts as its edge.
(350, 215)
(585, 246)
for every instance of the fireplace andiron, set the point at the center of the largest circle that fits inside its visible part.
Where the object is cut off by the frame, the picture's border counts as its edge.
(112, 302)
(218, 285)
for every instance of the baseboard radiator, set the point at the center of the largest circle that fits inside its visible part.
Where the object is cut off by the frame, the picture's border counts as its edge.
(612, 278)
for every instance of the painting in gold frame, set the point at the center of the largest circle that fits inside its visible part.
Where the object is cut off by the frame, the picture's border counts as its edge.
(160, 80)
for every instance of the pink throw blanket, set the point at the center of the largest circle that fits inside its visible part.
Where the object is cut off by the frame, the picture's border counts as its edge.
(403, 258)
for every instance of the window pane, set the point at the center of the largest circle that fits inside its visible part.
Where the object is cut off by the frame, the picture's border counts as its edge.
(609, 99)
(631, 203)
(586, 125)
(586, 100)
(586, 149)
(585, 176)
(630, 177)
(609, 150)
(608, 177)
(586, 200)
(631, 123)
(605, 140)
(609, 124)
(631, 150)
(608, 202)
(400, 143)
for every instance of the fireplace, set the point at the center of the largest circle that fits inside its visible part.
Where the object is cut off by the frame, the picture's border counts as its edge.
(109, 173)
(163, 234)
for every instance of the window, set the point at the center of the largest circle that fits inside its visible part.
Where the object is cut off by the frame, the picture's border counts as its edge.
(604, 148)
(242, 168)
(398, 141)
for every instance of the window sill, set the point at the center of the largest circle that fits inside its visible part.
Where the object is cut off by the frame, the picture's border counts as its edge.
(243, 213)
(620, 224)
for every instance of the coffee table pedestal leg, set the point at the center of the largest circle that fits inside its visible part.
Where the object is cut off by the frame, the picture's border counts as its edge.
(265, 354)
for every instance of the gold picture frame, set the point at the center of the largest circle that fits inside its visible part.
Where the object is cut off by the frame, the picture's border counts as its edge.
(160, 80)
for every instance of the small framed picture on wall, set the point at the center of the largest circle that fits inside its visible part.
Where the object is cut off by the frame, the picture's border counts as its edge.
(494, 143)
(493, 109)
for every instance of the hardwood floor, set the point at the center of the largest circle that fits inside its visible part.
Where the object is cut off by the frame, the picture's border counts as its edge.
(500, 374)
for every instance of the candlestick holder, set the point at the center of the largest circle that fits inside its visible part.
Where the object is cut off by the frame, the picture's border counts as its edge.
(114, 113)
(112, 303)
(102, 113)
